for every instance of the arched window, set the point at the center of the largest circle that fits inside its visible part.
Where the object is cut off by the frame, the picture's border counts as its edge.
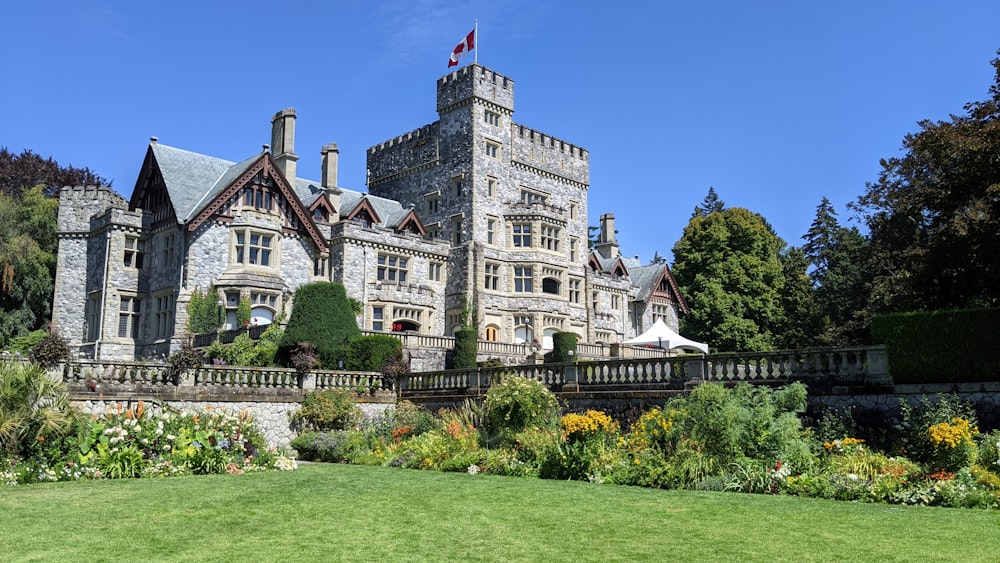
(550, 285)
(492, 333)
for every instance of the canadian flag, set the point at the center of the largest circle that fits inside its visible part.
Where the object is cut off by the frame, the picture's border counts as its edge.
(467, 44)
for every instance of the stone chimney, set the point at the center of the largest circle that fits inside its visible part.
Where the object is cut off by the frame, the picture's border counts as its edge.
(283, 143)
(607, 246)
(331, 156)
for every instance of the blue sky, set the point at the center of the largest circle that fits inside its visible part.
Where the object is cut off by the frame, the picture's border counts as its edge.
(775, 104)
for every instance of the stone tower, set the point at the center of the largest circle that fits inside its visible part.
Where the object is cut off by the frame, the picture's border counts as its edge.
(512, 201)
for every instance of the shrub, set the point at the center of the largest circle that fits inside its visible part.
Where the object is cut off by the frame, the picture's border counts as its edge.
(184, 359)
(331, 409)
(321, 446)
(50, 350)
(371, 352)
(322, 315)
(304, 357)
(33, 408)
(562, 344)
(915, 441)
(518, 403)
(466, 347)
(205, 315)
(25, 343)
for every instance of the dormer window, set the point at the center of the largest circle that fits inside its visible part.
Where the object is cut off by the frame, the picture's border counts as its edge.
(320, 215)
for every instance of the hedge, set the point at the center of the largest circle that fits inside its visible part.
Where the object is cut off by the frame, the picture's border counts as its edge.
(941, 346)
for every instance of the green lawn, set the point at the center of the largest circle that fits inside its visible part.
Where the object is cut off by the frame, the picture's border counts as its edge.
(351, 513)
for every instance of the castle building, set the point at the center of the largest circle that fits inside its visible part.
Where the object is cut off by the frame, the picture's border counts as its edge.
(473, 218)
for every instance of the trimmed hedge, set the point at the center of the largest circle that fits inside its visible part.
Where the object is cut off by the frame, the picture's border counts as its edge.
(466, 347)
(941, 346)
(369, 353)
(562, 343)
(323, 316)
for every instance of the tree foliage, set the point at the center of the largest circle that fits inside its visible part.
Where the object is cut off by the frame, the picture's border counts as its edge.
(803, 319)
(841, 275)
(934, 214)
(27, 261)
(727, 265)
(322, 315)
(205, 315)
(711, 204)
(19, 172)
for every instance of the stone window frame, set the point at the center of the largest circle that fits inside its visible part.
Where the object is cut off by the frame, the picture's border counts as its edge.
(434, 271)
(321, 265)
(491, 149)
(168, 242)
(661, 312)
(573, 209)
(531, 195)
(163, 314)
(491, 229)
(522, 278)
(391, 268)
(521, 234)
(616, 302)
(491, 186)
(92, 317)
(491, 117)
(549, 236)
(134, 253)
(574, 286)
(492, 333)
(491, 276)
(246, 254)
(129, 313)
(378, 318)
(574, 245)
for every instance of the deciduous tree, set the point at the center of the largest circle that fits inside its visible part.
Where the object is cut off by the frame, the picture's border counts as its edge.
(727, 265)
(934, 214)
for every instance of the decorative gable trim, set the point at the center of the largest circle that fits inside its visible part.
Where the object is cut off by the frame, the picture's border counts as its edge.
(668, 277)
(411, 223)
(594, 263)
(365, 206)
(150, 194)
(266, 165)
(619, 268)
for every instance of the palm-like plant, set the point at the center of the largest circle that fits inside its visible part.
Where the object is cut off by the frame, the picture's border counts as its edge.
(32, 405)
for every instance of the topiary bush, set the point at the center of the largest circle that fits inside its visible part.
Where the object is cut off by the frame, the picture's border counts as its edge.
(466, 347)
(322, 315)
(562, 344)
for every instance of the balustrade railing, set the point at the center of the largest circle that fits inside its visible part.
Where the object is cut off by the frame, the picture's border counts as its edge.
(856, 365)
(114, 375)
(852, 363)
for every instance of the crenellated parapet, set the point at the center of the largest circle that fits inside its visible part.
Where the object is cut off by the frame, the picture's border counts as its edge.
(547, 154)
(474, 81)
(404, 154)
(78, 205)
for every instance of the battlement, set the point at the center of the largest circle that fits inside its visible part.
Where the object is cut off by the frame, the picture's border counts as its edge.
(409, 151)
(474, 81)
(77, 204)
(546, 141)
(417, 136)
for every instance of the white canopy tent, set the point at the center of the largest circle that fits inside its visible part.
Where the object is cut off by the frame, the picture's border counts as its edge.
(662, 336)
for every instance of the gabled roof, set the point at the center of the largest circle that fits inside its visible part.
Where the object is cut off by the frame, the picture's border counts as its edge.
(186, 174)
(649, 277)
(607, 265)
(197, 184)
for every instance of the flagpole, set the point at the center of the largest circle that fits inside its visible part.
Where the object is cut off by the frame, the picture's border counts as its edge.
(475, 60)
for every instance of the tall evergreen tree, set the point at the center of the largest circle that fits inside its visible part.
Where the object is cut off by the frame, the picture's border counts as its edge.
(804, 321)
(840, 274)
(710, 204)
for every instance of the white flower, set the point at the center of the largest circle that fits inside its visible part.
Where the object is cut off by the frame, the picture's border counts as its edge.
(473, 469)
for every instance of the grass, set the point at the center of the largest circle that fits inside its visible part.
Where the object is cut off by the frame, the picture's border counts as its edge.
(351, 513)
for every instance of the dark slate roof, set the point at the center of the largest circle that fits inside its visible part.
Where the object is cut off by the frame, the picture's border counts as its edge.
(186, 174)
(390, 212)
(645, 279)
